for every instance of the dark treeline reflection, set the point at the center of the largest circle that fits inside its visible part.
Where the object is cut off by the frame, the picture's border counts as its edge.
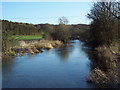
(95, 60)
(100, 60)
(8, 63)
(64, 52)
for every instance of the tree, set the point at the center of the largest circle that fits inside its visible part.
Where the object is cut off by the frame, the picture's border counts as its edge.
(114, 9)
(103, 25)
(63, 20)
(61, 33)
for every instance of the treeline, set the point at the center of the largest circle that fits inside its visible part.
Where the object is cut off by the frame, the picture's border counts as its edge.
(104, 28)
(15, 28)
(65, 33)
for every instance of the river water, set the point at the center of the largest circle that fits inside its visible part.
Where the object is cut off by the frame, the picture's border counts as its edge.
(65, 67)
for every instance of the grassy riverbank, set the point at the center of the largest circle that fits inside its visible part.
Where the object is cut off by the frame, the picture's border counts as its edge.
(27, 37)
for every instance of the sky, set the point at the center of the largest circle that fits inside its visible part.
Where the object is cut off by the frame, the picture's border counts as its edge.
(46, 12)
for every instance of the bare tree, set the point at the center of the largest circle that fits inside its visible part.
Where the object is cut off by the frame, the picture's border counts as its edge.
(114, 9)
(63, 20)
(104, 29)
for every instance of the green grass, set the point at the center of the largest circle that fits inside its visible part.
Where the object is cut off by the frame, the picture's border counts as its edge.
(27, 37)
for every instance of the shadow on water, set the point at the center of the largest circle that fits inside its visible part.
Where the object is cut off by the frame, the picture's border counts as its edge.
(7, 61)
(96, 60)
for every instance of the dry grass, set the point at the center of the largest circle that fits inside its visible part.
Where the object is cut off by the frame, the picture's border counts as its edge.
(35, 46)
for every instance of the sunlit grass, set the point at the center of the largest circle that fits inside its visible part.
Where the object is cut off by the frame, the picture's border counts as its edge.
(27, 37)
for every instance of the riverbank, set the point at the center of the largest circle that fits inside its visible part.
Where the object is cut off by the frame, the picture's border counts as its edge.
(107, 68)
(32, 47)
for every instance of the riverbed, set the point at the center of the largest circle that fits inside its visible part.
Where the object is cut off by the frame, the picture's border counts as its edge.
(64, 67)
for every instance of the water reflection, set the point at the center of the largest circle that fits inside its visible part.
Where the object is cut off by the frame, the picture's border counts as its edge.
(64, 52)
(7, 60)
(99, 61)
(96, 61)
(8, 64)
(73, 48)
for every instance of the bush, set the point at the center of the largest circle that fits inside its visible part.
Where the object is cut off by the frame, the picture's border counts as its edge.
(48, 36)
(61, 33)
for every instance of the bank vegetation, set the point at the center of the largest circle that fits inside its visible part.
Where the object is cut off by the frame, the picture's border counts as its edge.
(105, 40)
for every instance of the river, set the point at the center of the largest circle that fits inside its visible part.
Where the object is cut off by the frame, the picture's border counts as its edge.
(65, 67)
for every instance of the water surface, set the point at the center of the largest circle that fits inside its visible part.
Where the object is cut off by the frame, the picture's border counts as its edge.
(65, 67)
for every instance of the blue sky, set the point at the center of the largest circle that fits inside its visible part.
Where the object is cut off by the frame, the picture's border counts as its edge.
(46, 12)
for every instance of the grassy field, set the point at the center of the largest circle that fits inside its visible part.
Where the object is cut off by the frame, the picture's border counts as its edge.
(29, 37)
